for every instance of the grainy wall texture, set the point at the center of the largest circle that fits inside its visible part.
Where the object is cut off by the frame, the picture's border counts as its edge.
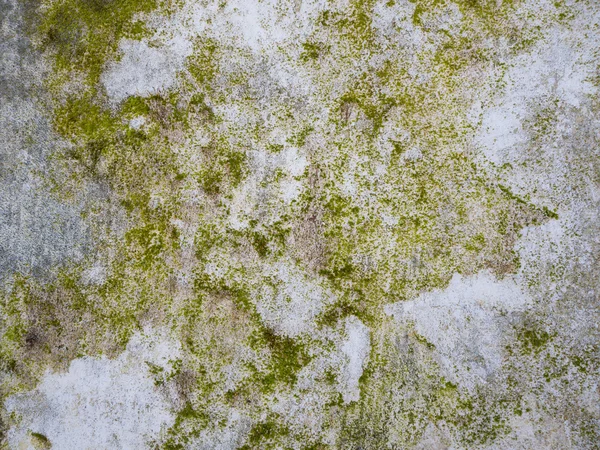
(299, 224)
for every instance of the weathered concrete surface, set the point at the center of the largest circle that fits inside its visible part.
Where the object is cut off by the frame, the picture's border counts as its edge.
(299, 224)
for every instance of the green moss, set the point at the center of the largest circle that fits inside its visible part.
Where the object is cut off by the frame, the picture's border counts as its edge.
(187, 413)
(311, 51)
(403, 392)
(354, 25)
(188, 423)
(260, 243)
(588, 428)
(484, 8)
(458, 53)
(225, 168)
(416, 17)
(81, 117)
(581, 363)
(203, 63)
(357, 271)
(345, 307)
(365, 260)
(85, 34)
(66, 318)
(287, 357)
(533, 339)
(374, 106)
(157, 373)
(299, 138)
(424, 341)
(40, 441)
(134, 106)
(358, 26)
(548, 213)
(236, 163)
(477, 243)
(210, 179)
(265, 434)
(269, 238)
(488, 12)
(150, 240)
(206, 238)
(275, 148)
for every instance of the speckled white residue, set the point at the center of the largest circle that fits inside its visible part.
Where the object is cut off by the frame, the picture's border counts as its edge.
(99, 403)
(465, 322)
(143, 69)
(229, 437)
(356, 348)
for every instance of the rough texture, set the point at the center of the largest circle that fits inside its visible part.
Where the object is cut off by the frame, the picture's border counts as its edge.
(352, 224)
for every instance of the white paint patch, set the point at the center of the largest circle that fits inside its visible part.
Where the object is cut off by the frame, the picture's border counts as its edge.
(229, 437)
(304, 410)
(95, 275)
(143, 69)
(355, 348)
(413, 154)
(274, 181)
(561, 65)
(291, 161)
(263, 26)
(137, 122)
(99, 403)
(465, 322)
(293, 164)
(259, 26)
(291, 305)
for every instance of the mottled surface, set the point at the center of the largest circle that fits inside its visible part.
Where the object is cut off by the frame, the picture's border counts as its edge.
(346, 224)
